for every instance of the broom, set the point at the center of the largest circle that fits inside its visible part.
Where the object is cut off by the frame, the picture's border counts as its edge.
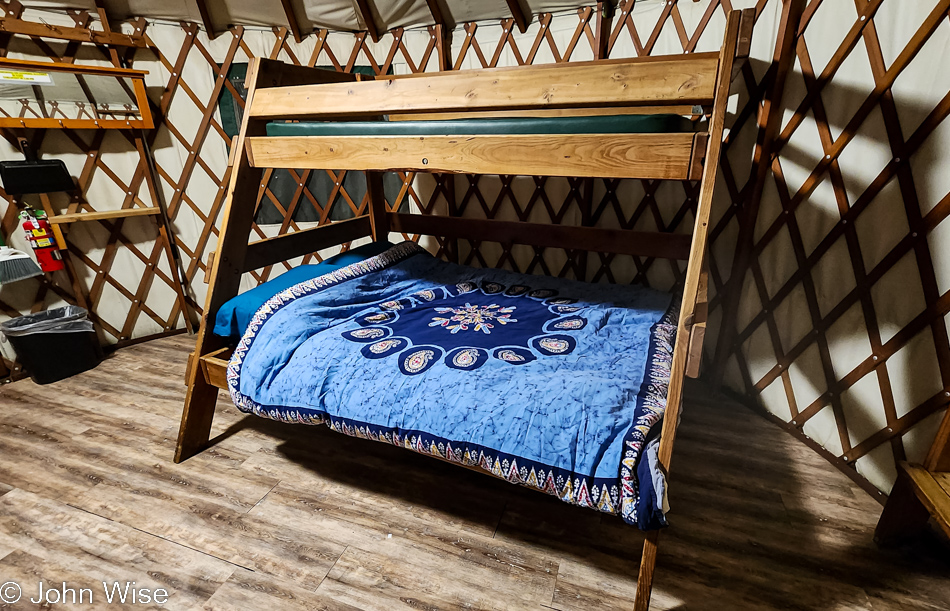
(16, 265)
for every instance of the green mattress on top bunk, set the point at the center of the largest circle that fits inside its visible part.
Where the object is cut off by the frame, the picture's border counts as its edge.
(604, 124)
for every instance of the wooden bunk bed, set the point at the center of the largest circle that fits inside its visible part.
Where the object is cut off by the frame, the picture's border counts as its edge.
(694, 84)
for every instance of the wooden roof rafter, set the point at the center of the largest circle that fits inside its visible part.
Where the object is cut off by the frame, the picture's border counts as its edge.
(14, 25)
(436, 11)
(443, 30)
(206, 19)
(104, 18)
(292, 22)
(366, 14)
(106, 22)
(517, 13)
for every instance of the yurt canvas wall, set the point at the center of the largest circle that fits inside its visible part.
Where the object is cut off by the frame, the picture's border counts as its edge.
(830, 289)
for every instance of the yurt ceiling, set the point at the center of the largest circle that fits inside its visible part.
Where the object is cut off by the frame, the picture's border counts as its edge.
(307, 15)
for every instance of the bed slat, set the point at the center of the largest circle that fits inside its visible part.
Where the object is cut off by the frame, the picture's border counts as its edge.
(674, 80)
(649, 156)
(684, 109)
(288, 246)
(595, 239)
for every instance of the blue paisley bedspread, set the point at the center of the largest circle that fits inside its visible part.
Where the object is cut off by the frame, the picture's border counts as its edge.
(553, 384)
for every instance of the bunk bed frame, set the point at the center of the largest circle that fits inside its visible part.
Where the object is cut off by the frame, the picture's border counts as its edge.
(693, 84)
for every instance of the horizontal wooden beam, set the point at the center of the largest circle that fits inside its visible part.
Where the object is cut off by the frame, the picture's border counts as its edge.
(102, 215)
(683, 110)
(45, 123)
(589, 84)
(690, 58)
(299, 243)
(45, 30)
(649, 156)
(593, 239)
(85, 70)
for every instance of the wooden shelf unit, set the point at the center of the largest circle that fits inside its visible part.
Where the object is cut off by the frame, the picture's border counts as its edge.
(109, 43)
(138, 93)
(74, 217)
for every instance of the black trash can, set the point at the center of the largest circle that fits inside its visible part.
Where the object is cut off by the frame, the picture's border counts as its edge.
(55, 344)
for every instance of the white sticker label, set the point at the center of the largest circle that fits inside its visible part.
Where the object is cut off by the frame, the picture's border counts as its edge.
(18, 76)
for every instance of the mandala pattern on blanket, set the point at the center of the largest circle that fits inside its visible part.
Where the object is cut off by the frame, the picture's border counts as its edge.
(465, 325)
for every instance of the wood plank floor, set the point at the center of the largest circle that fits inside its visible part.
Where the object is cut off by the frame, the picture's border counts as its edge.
(288, 517)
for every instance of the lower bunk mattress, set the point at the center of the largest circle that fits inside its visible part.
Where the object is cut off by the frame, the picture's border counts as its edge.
(550, 383)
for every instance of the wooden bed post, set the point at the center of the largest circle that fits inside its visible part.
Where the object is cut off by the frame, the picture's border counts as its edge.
(904, 516)
(229, 261)
(647, 569)
(919, 494)
(226, 271)
(378, 217)
(694, 271)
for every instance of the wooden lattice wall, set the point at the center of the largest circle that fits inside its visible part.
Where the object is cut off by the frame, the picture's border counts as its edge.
(187, 78)
(839, 328)
(828, 327)
(111, 265)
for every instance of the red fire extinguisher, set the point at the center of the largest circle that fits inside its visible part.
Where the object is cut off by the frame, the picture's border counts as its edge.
(40, 235)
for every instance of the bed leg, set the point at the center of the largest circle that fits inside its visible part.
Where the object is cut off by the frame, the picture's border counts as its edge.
(647, 566)
(196, 418)
(904, 516)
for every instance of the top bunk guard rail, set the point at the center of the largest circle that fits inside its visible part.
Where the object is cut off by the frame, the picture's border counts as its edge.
(278, 91)
(671, 85)
(651, 81)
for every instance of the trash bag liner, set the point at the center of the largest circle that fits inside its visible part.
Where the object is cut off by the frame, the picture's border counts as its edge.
(67, 319)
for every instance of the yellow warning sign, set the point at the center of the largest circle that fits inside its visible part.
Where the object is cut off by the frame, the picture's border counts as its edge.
(19, 76)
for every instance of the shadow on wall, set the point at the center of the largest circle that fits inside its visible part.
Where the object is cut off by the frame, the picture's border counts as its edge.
(758, 521)
(867, 286)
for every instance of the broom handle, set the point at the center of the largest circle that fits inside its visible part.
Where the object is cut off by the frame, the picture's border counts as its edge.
(166, 223)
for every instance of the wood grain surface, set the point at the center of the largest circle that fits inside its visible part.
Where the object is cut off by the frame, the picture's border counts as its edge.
(278, 516)
(674, 80)
(654, 156)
